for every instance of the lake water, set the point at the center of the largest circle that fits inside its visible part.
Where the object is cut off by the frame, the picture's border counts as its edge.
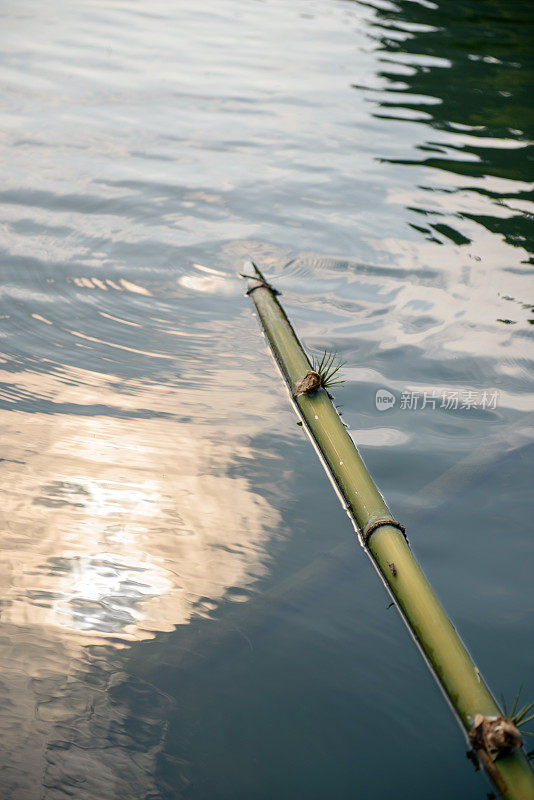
(186, 611)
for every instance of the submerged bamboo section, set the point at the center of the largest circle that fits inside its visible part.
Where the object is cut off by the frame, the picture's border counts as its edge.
(385, 542)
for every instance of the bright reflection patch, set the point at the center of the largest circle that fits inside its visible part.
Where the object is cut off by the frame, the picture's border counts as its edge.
(136, 524)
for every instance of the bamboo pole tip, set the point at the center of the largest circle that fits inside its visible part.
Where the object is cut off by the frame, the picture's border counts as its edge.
(255, 279)
(250, 269)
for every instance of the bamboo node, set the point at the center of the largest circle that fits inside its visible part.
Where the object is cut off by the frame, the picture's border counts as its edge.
(496, 736)
(309, 384)
(373, 524)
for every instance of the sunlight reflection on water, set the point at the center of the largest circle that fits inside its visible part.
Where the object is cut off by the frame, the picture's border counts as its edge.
(133, 531)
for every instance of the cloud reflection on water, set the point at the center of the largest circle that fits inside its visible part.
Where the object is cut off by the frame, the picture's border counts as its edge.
(139, 522)
(115, 528)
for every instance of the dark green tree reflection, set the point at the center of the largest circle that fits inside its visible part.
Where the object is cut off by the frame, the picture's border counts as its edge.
(464, 70)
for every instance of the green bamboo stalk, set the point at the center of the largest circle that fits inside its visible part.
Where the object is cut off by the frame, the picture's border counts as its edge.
(388, 549)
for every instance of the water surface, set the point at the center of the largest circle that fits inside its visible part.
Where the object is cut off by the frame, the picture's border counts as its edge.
(186, 612)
